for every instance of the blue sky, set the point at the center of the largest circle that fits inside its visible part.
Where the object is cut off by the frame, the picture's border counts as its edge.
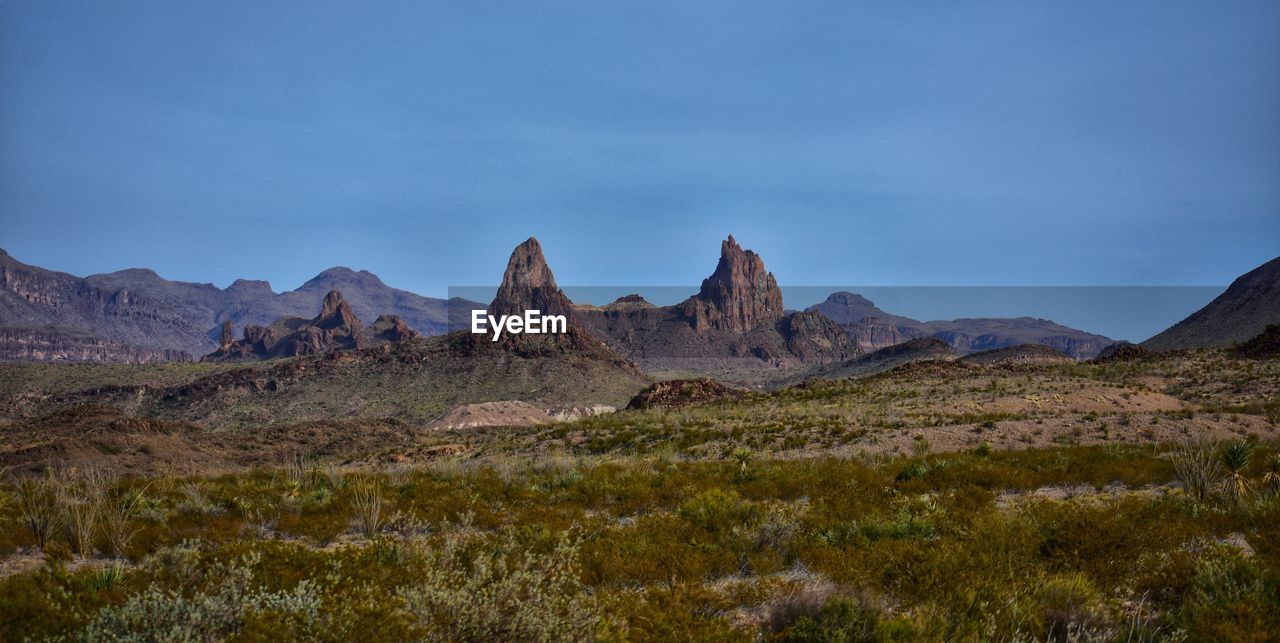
(921, 143)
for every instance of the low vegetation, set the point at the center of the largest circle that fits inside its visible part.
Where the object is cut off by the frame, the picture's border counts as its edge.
(1066, 543)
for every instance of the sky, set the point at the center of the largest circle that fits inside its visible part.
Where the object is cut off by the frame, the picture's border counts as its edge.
(1073, 143)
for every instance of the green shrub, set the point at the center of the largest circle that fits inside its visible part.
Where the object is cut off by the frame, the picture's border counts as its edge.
(717, 510)
(501, 593)
(840, 620)
(223, 611)
(1232, 599)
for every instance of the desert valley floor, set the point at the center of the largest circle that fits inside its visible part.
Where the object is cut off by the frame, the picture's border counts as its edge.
(1017, 496)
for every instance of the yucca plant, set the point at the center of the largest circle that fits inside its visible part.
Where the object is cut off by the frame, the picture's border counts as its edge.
(1235, 459)
(1272, 477)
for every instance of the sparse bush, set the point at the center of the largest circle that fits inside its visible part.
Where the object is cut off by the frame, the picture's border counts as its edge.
(1071, 608)
(118, 519)
(82, 496)
(41, 510)
(1231, 600)
(501, 593)
(843, 620)
(1196, 465)
(803, 602)
(366, 505)
(717, 510)
(167, 615)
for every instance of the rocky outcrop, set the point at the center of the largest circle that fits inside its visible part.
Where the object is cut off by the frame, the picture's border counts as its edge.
(629, 302)
(736, 321)
(1239, 314)
(53, 344)
(1265, 346)
(1122, 352)
(390, 328)
(870, 328)
(490, 414)
(335, 328)
(738, 296)
(1019, 354)
(228, 336)
(814, 338)
(680, 393)
(528, 284)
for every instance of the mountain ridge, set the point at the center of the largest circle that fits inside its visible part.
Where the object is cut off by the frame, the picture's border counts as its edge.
(135, 311)
(1241, 313)
(872, 329)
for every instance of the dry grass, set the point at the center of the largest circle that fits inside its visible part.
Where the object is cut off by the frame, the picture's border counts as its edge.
(367, 507)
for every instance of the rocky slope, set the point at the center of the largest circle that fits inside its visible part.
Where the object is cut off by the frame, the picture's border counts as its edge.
(1239, 314)
(879, 361)
(872, 329)
(135, 311)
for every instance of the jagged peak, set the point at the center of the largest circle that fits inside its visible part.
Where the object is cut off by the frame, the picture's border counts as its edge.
(739, 295)
(332, 302)
(529, 284)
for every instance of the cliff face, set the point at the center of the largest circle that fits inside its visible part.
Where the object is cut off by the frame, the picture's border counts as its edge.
(51, 344)
(105, 307)
(738, 296)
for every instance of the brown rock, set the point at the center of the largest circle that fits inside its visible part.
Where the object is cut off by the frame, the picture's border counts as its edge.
(335, 314)
(814, 338)
(738, 296)
(1122, 352)
(528, 284)
(228, 336)
(680, 393)
(391, 328)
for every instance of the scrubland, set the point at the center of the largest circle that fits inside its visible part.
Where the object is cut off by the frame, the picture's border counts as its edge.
(1128, 501)
(1068, 543)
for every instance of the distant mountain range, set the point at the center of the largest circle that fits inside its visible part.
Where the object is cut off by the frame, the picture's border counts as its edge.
(137, 316)
(872, 329)
(735, 320)
(1239, 314)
